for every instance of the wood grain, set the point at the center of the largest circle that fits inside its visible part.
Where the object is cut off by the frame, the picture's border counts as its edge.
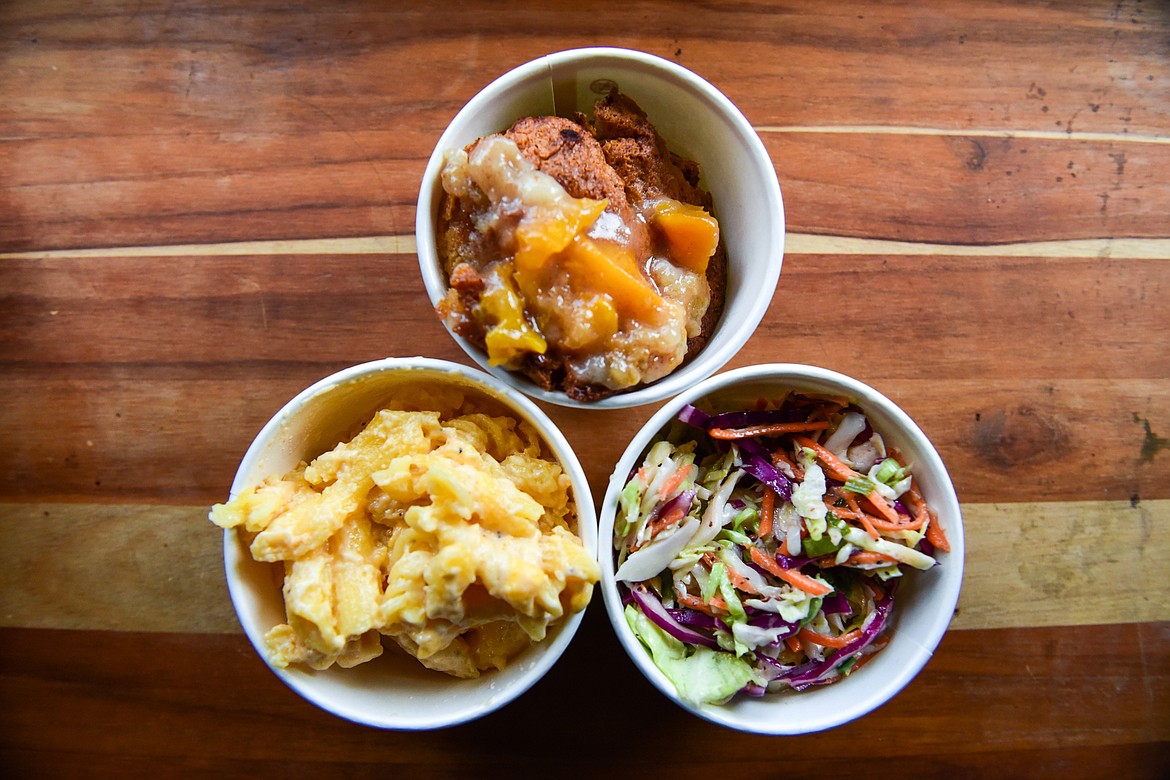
(140, 352)
(944, 189)
(1002, 440)
(160, 568)
(1083, 314)
(206, 704)
(991, 62)
(1099, 248)
(794, 244)
(970, 189)
(256, 121)
(205, 207)
(113, 567)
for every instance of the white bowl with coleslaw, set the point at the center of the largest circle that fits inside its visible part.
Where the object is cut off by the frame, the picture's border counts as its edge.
(698, 122)
(925, 599)
(393, 691)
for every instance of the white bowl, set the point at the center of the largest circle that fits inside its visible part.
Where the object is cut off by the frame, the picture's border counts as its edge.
(698, 122)
(393, 691)
(926, 600)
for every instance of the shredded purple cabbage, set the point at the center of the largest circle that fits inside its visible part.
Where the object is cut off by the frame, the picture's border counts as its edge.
(683, 500)
(758, 463)
(754, 689)
(653, 608)
(816, 672)
(792, 561)
(777, 667)
(692, 415)
(755, 417)
(836, 604)
(693, 618)
(770, 620)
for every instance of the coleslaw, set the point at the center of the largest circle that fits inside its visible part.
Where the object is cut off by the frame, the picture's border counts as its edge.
(764, 551)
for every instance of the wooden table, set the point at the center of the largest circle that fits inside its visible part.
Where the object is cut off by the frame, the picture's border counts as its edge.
(204, 207)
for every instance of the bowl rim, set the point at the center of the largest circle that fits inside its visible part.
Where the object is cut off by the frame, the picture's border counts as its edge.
(712, 357)
(943, 601)
(538, 659)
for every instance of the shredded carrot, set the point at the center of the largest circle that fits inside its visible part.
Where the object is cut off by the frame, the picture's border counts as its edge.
(936, 536)
(771, 429)
(884, 508)
(793, 642)
(869, 556)
(860, 516)
(912, 525)
(867, 523)
(861, 661)
(813, 638)
(695, 602)
(860, 557)
(832, 463)
(791, 576)
(779, 457)
(934, 532)
(674, 480)
(741, 582)
(665, 521)
(870, 522)
(840, 511)
(767, 512)
(804, 582)
(763, 559)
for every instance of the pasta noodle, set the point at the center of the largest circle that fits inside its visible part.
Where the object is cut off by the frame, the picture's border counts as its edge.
(440, 524)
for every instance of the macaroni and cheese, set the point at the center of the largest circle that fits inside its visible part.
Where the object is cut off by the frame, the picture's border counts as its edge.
(441, 524)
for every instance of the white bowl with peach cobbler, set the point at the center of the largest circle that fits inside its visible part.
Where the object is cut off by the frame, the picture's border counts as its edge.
(600, 228)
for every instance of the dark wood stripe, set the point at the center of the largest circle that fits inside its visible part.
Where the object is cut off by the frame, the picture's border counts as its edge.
(988, 700)
(244, 136)
(1028, 379)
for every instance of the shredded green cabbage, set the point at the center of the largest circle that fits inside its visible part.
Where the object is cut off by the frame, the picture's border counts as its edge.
(808, 496)
(704, 676)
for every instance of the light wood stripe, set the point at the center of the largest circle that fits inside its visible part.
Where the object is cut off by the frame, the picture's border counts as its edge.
(795, 244)
(362, 245)
(1069, 563)
(1045, 135)
(159, 568)
(112, 567)
(1120, 248)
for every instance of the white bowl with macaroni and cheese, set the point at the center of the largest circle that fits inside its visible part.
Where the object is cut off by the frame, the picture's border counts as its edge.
(409, 544)
(615, 312)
